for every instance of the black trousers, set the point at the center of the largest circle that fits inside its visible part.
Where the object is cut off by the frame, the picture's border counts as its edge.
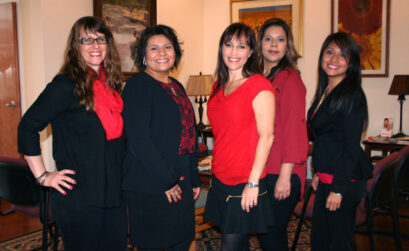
(87, 228)
(182, 246)
(276, 239)
(335, 230)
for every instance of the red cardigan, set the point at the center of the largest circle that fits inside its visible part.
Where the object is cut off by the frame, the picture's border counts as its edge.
(290, 129)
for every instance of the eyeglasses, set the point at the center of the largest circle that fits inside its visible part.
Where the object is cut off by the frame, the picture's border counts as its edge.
(90, 40)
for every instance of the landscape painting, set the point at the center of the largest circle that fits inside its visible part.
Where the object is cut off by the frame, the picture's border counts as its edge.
(127, 19)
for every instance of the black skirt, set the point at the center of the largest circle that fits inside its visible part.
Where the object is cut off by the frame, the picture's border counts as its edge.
(223, 208)
(156, 223)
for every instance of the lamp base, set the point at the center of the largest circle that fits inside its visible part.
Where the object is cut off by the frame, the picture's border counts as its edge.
(399, 135)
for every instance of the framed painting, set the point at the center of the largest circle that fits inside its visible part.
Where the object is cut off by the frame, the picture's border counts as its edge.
(368, 23)
(127, 19)
(255, 12)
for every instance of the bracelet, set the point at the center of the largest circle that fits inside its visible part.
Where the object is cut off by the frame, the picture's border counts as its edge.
(41, 179)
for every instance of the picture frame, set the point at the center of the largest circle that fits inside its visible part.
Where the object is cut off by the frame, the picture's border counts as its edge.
(127, 19)
(387, 127)
(368, 22)
(255, 12)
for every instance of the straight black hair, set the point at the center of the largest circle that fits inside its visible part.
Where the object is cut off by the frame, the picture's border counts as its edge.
(352, 80)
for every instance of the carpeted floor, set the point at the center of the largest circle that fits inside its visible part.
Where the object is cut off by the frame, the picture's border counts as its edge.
(27, 242)
(208, 240)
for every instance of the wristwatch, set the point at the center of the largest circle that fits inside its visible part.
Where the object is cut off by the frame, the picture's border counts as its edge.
(252, 185)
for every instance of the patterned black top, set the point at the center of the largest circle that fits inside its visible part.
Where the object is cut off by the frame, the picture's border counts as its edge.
(188, 135)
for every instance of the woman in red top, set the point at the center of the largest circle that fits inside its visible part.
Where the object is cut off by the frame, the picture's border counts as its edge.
(241, 111)
(286, 166)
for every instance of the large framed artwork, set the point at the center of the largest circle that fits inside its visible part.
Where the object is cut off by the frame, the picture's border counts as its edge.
(255, 12)
(368, 23)
(127, 19)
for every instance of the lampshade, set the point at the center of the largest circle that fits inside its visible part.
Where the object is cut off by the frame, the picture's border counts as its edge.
(199, 85)
(400, 85)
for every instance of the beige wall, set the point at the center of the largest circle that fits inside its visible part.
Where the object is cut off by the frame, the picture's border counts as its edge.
(317, 19)
(44, 26)
(189, 17)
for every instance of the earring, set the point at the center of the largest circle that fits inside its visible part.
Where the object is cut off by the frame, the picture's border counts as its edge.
(144, 62)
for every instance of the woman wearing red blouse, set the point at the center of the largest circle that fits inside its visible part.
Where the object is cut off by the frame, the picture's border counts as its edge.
(241, 112)
(286, 166)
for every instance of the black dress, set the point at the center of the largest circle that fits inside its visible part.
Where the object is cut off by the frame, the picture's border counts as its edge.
(152, 166)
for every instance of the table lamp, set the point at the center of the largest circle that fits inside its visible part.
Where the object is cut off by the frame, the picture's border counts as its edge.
(400, 87)
(199, 86)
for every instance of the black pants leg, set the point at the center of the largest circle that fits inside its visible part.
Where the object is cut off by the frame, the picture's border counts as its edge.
(235, 242)
(276, 239)
(182, 246)
(86, 228)
(335, 230)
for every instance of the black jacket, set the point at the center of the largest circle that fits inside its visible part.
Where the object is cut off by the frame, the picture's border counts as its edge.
(79, 143)
(153, 129)
(337, 139)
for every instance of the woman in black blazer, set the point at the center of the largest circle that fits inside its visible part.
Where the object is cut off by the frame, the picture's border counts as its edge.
(161, 177)
(337, 117)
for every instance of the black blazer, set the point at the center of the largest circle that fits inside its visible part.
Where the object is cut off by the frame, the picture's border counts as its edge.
(153, 129)
(337, 139)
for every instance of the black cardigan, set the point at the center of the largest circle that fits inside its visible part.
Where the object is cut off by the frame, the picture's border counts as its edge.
(337, 139)
(153, 129)
(79, 143)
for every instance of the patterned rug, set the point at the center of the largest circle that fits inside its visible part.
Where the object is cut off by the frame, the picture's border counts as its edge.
(208, 240)
(28, 242)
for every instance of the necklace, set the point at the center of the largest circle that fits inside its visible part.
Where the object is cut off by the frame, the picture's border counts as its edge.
(173, 91)
(324, 95)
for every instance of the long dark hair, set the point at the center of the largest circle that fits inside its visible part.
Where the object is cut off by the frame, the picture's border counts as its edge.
(236, 30)
(352, 80)
(76, 68)
(151, 31)
(291, 55)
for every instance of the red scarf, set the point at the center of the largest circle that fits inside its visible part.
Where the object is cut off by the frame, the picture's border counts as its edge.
(108, 106)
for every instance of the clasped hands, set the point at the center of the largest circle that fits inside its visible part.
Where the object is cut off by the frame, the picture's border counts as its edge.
(175, 193)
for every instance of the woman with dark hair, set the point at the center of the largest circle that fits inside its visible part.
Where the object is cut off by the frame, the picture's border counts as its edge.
(161, 178)
(241, 111)
(83, 105)
(337, 117)
(286, 166)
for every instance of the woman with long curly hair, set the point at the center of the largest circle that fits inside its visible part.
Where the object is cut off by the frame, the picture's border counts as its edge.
(84, 107)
